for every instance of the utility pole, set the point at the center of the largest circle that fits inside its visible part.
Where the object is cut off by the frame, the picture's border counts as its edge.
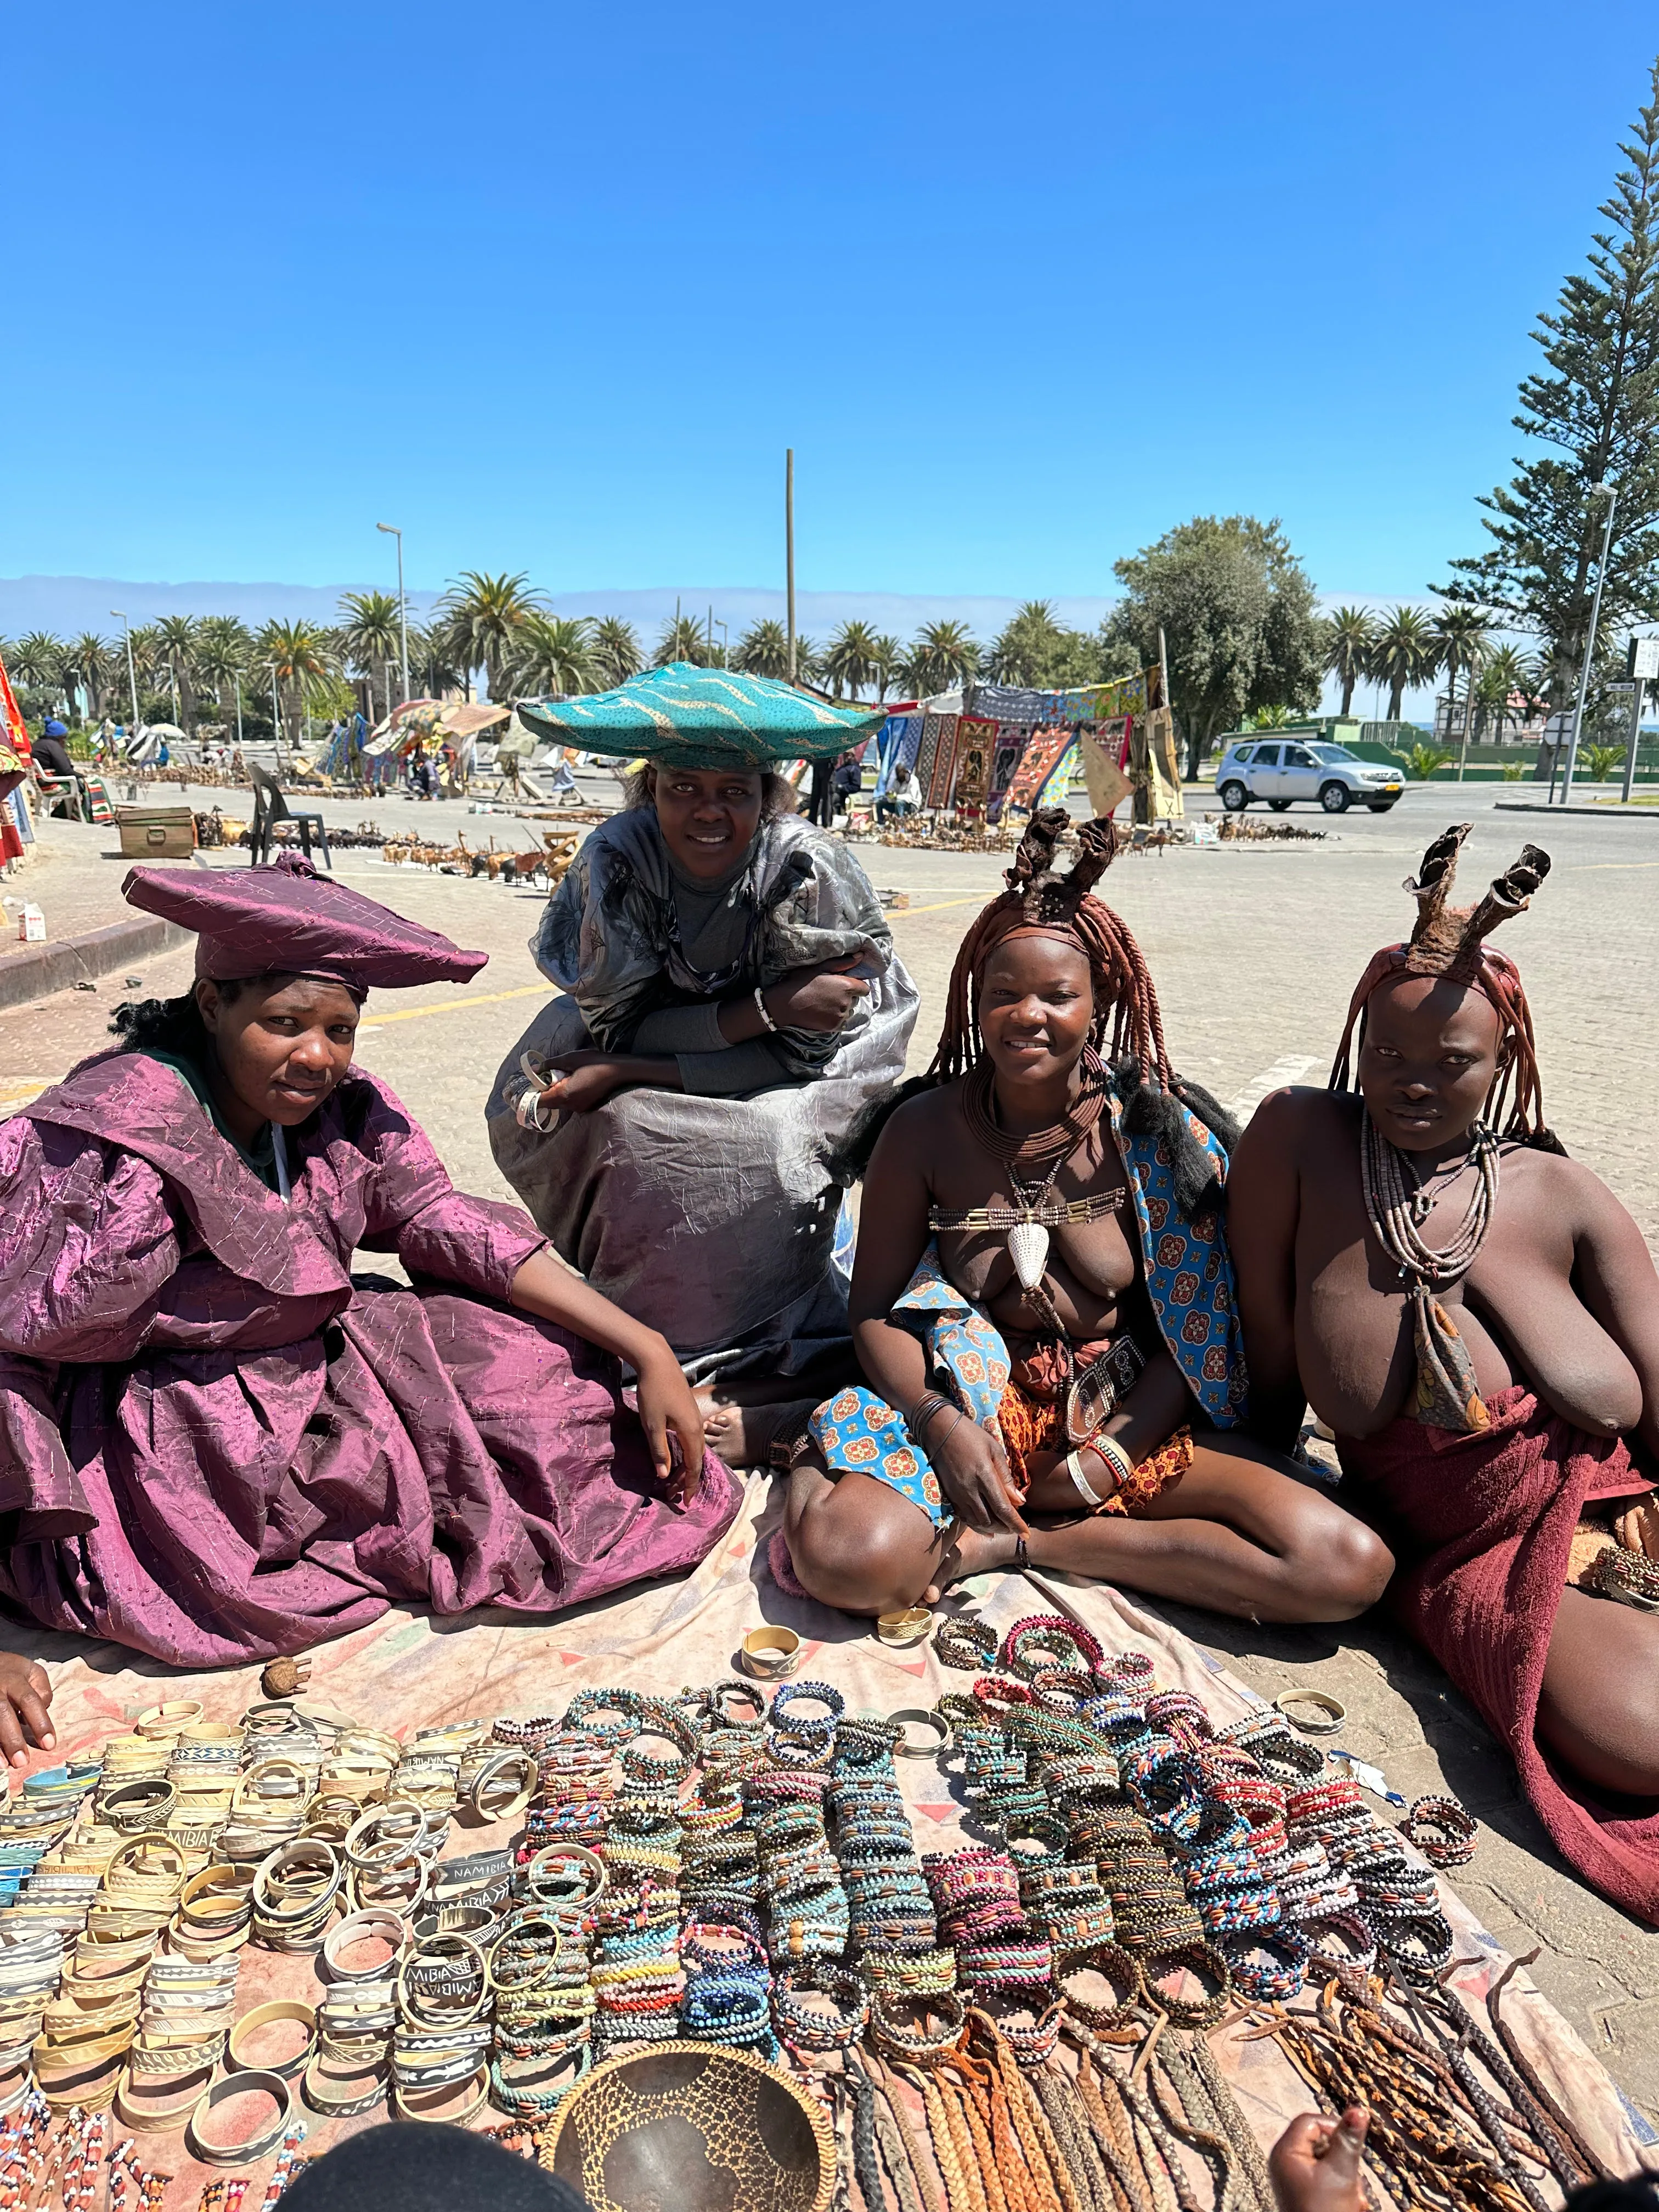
(1469, 717)
(133, 675)
(1610, 493)
(391, 530)
(789, 547)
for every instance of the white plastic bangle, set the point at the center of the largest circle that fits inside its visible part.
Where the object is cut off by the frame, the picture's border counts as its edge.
(760, 1003)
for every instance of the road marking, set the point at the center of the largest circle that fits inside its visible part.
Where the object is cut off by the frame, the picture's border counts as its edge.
(1291, 1069)
(1596, 867)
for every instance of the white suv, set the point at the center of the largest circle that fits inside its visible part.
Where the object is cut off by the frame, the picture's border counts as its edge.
(1284, 769)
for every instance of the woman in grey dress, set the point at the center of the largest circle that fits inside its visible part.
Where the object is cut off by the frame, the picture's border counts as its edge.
(735, 1002)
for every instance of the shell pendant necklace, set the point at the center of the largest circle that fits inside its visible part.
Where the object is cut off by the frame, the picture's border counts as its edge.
(1026, 1225)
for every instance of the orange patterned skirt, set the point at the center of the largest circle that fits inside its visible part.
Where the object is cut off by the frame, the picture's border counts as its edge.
(1030, 1423)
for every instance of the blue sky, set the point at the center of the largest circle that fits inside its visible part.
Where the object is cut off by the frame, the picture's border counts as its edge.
(554, 286)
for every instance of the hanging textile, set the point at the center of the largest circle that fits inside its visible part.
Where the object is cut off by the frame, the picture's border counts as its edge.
(944, 763)
(1011, 744)
(1165, 802)
(1104, 780)
(977, 742)
(1042, 753)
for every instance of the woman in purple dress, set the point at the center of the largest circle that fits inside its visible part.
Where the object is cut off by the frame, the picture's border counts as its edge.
(215, 1445)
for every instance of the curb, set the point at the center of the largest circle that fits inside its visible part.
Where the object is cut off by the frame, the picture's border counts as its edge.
(1592, 813)
(44, 968)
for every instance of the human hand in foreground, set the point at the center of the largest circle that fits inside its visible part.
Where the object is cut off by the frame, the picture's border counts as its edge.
(818, 999)
(667, 1407)
(973, 1472)
(25, 1696)
(1315, 2164)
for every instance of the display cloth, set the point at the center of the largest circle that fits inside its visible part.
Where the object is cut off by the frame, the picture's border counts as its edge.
(409, 1669)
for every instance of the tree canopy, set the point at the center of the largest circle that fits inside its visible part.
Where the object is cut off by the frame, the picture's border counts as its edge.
(1594, 409)
(1237, 614)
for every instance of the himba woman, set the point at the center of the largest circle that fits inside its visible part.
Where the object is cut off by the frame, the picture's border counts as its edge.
(215, 1444)
(735, 1004)
(1476, 1318)
(1042, 1305)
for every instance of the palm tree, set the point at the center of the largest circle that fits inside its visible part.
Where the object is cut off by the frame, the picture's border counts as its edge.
(222, 658)
(809, 661)
(37, 661)
(616, 652)
(90, 662)
(763, 650)
(886, 655)
(481, 616)
(942, 655)
(1022, 649)
(552, 654)
(1460, 637)
(1503, 674)
(1406, 654)
(433, 668)
(848, 662)
(1350, 645)
(684, 639)
(371, 640)
(300, 655)
(176, 644)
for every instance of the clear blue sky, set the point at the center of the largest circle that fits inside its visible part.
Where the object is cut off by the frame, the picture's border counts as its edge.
(554, 286)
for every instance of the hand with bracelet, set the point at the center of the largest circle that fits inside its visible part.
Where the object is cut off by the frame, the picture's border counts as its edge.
(970, 1462)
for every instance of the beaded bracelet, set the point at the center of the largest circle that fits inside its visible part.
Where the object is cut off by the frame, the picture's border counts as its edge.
(1045, 1640)
(836, 2025)
(921, 2041)
(1195, 1958)
(1441, 1829)
(1267, 1964)
(897, 1971)
(1021, 1964)
(1114, 1966)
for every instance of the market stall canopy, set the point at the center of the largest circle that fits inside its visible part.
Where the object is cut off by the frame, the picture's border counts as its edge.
(429, 719)
(691, 717)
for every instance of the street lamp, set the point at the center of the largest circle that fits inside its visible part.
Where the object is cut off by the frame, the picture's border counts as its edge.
(116, 615)
(391, 530)
(1610, 493)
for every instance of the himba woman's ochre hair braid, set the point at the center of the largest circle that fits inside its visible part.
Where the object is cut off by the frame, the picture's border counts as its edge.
(1449, 942)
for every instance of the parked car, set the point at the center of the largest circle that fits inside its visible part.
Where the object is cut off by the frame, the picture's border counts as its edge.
(1281, 770)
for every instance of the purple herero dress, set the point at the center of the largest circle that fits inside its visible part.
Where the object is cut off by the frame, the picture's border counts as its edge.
(214, 1448)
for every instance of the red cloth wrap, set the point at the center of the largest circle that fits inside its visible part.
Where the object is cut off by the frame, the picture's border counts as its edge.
(1486, 1520)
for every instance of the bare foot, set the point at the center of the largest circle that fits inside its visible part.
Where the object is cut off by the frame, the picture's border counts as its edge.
(743, 1436)
(971, 1553)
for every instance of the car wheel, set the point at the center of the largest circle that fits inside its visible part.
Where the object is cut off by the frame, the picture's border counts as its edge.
(1279, 805)
(1334, 797)
(1382, 806)
(1235, 797)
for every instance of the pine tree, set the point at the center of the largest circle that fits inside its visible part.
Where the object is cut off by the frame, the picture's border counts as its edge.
(1598, 407)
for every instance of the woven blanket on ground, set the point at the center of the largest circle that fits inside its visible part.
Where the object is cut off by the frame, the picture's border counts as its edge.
(1487, 1518)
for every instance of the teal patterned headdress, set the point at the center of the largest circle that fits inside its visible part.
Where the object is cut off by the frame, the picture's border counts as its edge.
(687, 717)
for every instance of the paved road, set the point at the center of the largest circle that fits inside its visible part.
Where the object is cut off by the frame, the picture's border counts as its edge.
(1256, 949)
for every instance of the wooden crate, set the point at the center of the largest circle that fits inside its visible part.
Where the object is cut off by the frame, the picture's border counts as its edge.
(156, 833)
